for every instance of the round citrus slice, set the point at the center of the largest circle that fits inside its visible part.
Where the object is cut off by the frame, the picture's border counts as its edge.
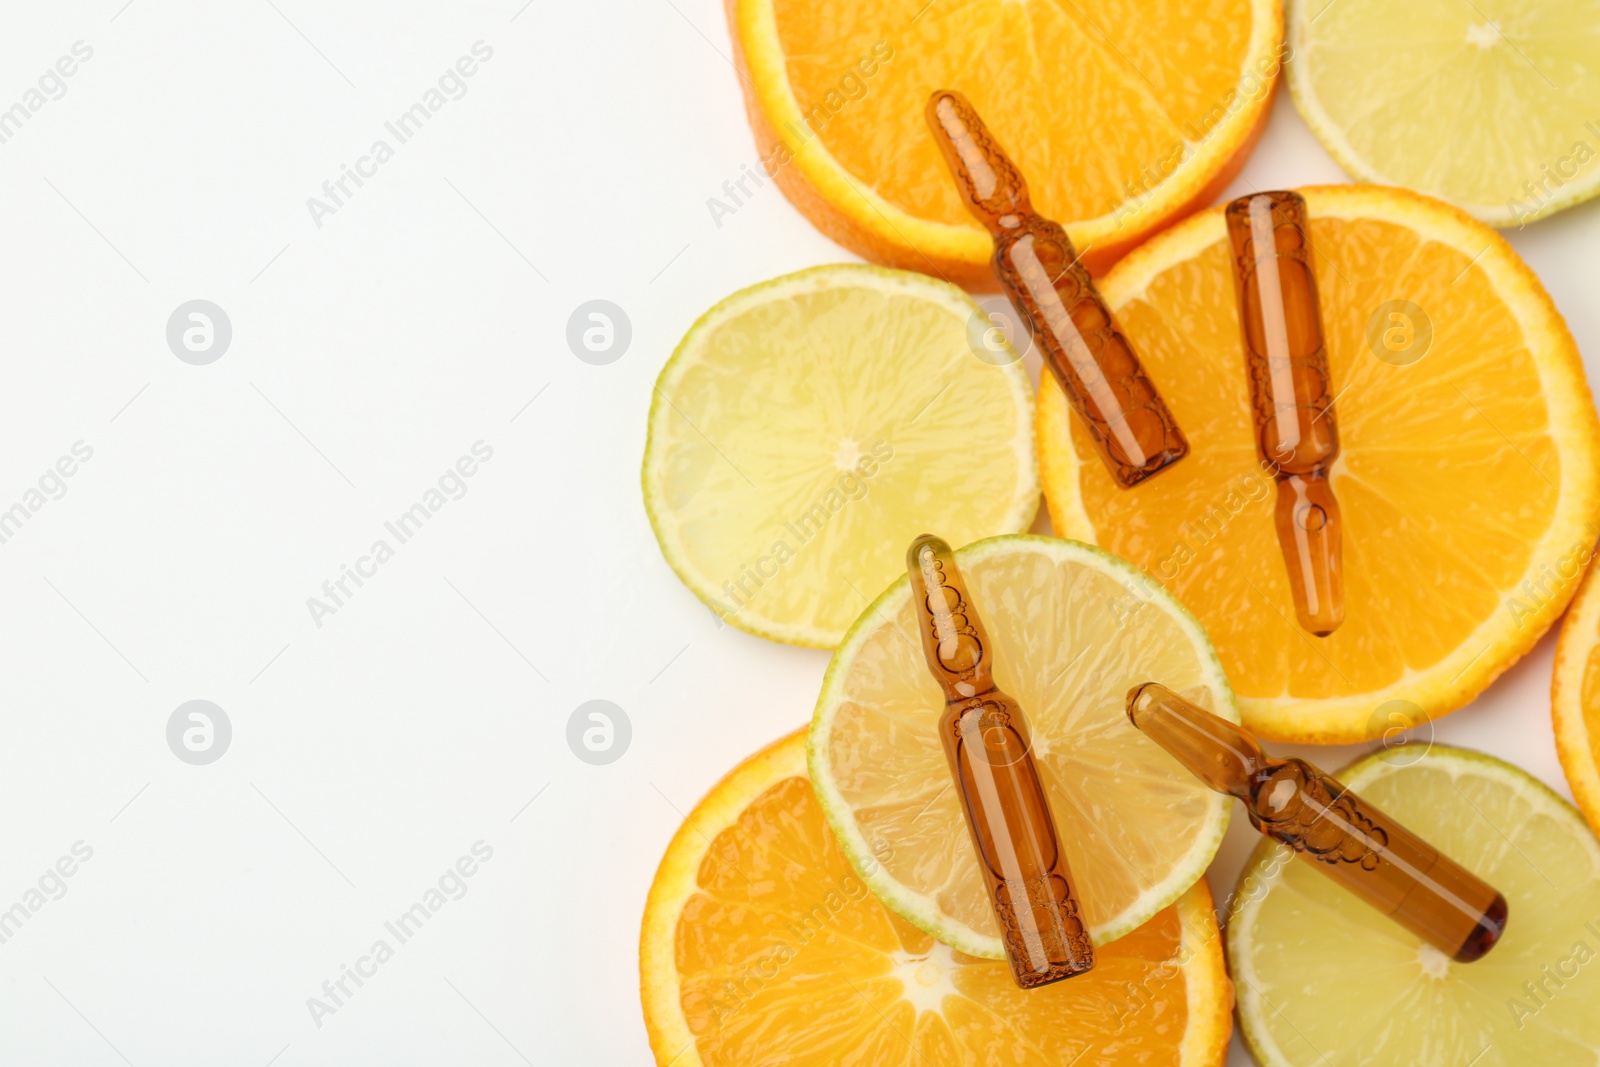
(1323, 978)
(760, 945)
(1122, 116)
(1575, 692)
(806, 429)
(1073, 630)
(1488, 106)
(1469, 476)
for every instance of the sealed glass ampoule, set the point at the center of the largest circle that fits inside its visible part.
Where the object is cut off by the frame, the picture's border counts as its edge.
(1052, 291)
(1291, 392)
(986, 740)
(1330, 827)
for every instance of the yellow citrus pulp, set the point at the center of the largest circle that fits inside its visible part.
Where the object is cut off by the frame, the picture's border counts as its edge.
(806, 429)
(1492, 105)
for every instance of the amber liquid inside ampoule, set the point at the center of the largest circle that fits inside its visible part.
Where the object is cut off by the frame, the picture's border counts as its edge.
(1330, 827)
(986, 741)
(1290, 390)
(1039, 270)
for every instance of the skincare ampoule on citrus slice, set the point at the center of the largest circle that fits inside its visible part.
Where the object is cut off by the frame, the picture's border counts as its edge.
(986, 741)
(1330, 827)
(1280, 319)
(1039, 270)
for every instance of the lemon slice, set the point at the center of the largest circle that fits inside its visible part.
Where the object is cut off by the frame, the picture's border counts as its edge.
(1322, 978)
(1493, 105)
(760, 946)
(806, 429)
(1074, 628)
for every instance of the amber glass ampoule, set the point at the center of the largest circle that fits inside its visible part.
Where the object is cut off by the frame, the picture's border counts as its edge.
(1281, 325)
(1039, 270)
(1330, 827)
(986, 740)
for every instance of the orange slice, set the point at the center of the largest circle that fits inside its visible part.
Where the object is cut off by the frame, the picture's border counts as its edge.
(1123, 116)
(1468, 476)
(1575, 692)
(761, 946)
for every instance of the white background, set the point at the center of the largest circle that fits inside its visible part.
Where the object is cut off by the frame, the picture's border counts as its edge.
(367, 356)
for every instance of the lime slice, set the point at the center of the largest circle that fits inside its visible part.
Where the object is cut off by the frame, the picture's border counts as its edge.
(1492, 105)
(1323, 978)
(1074, 628)
(806, 429)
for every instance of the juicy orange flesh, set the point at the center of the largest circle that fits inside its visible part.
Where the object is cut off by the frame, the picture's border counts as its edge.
(785, 957)
(1091, 102)
(1591, 700)
(1448, 473)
